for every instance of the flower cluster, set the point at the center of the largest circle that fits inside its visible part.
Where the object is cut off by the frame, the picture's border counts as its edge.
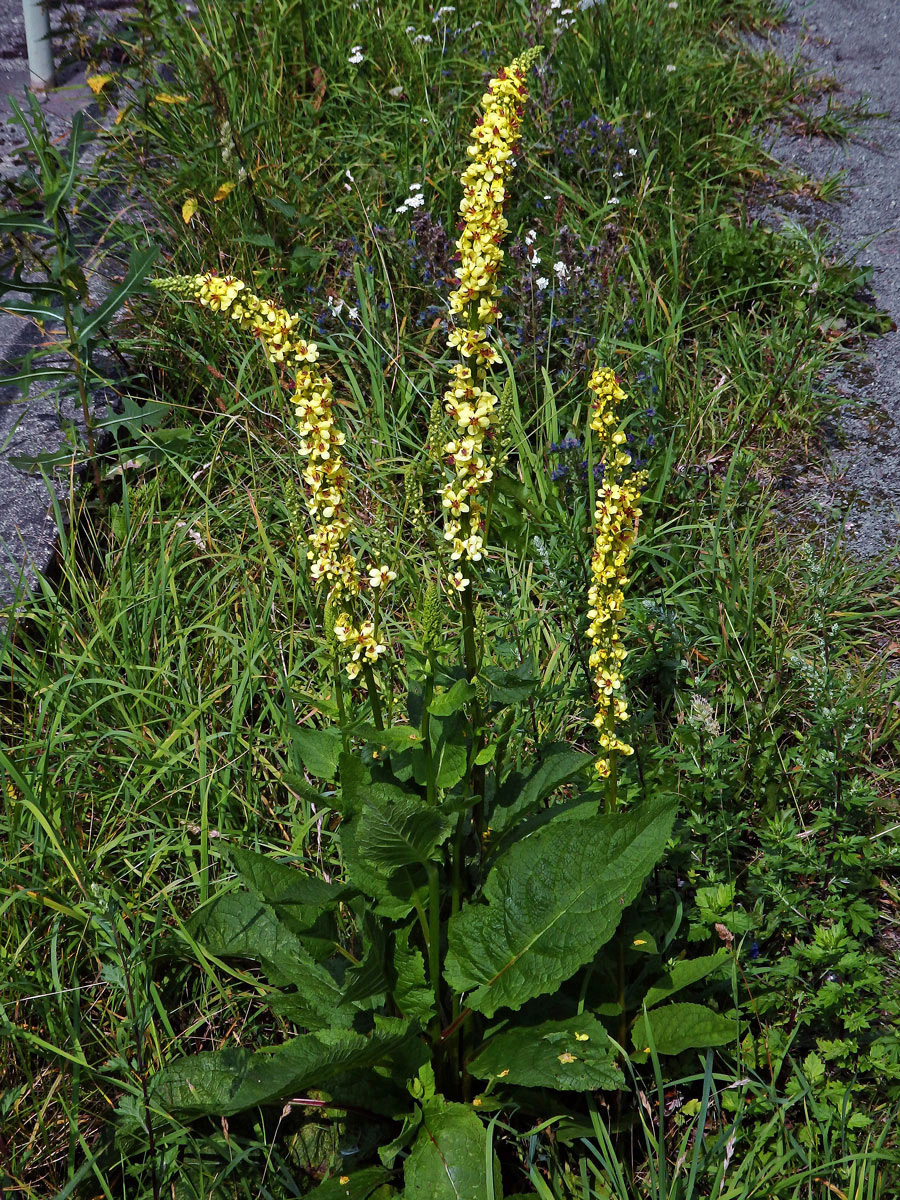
(325, 475)
(616, 515)
(275, 327)
(473, 408)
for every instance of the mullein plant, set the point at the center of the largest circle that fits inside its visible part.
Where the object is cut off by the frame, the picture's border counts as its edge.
(462, 965)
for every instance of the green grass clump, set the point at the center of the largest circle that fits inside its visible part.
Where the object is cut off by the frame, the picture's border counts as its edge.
(152, 695)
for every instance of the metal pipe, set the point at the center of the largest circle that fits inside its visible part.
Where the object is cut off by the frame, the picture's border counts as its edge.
(40, 47)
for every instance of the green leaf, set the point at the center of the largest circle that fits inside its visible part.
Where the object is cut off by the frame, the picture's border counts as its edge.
(280, 884)
(558, 763)
(449, 1158)
(511, 687)
(319, 750)
(359, 1186)
(445, 704)
(138, 266)
(237, 925)
(575, 1055)
(402, 835)
(683, 973)
(550, 903)
(221, 1082)
(412, 995)
(678, 1027)
(21, 223)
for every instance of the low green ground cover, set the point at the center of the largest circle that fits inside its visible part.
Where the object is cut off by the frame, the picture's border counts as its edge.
(162, 699)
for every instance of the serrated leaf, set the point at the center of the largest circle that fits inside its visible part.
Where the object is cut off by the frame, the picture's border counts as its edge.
(683, 973)
(448, 1160)
(412, 995)
(222, 1082)
(319, 750)
(237, 925)
(550, 903)
(575, 1055)
(402, 835)
(677, 1027)
(188, 209)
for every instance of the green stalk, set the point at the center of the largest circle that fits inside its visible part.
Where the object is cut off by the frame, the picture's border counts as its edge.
(430, 773)
(374, 699)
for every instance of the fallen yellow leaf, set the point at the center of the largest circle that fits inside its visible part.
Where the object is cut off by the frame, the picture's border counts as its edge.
(225, 190)
(167, 98)
(188, 209)
(97, 83)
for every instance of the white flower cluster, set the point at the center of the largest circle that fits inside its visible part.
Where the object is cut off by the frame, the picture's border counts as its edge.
(415, 199)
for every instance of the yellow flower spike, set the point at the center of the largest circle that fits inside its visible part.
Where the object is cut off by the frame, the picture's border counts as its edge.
(330, 561)
(474, 300)
(616, 515)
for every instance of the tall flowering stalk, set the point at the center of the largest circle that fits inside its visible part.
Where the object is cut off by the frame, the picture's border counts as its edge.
(616, 515)
(325, 475)
(474, 410)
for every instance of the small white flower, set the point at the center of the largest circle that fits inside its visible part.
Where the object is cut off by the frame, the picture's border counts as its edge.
(356, 55)
(618, 174)
(547, 197)
(352, 314)
(670, 67)
(542, 284)
(531, 234)
(415, 187)
(534, 258)
(614, 200)
(673, 3)
(561, 271)
(335, 305)
(423, 39)
(410, 29)
(349, 176)
(632, 153)
(442, 13)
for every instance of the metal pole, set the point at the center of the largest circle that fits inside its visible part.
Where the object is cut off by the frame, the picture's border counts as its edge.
(40, 47)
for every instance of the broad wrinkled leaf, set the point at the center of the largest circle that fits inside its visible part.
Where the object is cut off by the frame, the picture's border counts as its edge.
(237, 925)
(401, 835)
(449, 1158)
(574, 1055)
(683, 973)
(677, 1027)
(521, 791)
(222, 1082)
(318, 749)
(550, 903)
(412, 995)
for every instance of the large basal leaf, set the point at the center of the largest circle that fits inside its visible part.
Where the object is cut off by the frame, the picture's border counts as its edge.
(683, 973)
(550, 903)
(677, 1027)
(222, 1082)
(449, 1158)
(318, 749)
(574, 1055)
(237, 925)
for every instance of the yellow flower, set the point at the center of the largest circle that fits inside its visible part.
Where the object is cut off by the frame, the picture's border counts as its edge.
(474, 300)
(616, 514)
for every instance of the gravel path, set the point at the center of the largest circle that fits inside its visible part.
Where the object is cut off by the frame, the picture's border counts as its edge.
(855, 42)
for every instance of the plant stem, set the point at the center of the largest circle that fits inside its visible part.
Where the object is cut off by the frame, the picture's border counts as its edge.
(430, 774)
(374, 699)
